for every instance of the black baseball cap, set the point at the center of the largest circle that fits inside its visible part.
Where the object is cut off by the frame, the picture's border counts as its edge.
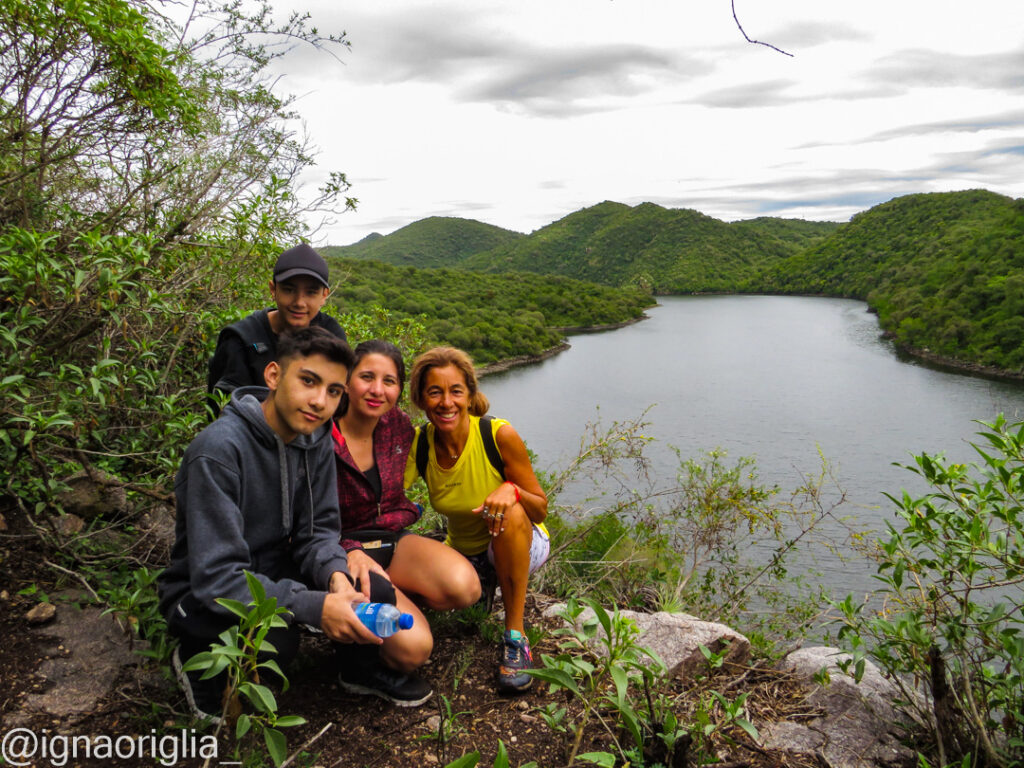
(301, 260)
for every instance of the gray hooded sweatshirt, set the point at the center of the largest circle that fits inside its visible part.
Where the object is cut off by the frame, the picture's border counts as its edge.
(248, 502)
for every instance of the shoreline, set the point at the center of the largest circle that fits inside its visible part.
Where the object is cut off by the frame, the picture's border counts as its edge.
(522, 360)
(573, 329)
(954, 365)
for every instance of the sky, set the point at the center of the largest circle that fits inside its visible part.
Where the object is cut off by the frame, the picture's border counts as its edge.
(519, 113)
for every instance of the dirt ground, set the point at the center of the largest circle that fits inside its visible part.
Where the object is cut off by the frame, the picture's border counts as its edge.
(464, 715)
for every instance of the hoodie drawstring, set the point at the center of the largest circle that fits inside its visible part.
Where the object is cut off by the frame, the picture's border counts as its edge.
(309, 490)
(286, 496)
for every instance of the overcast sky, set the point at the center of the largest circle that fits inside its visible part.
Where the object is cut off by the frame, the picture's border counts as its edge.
(519, 113)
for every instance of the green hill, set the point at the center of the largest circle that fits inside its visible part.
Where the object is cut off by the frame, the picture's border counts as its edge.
(432, 242)
(665, 250)
(491, 316)
(945, 271)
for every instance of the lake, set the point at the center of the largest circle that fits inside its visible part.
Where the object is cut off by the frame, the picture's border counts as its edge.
(777, 378)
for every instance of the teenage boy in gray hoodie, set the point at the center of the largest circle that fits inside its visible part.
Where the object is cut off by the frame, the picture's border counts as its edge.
(256, 492)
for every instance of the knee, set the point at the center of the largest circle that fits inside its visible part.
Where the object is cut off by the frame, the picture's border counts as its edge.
(459, 588)
(516, 534)
(517, 520)
(464, 586)
(408, 654)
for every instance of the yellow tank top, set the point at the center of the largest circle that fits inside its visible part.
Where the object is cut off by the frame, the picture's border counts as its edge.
(456, 492)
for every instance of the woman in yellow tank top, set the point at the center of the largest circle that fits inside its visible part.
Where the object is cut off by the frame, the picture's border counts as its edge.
(496, 522)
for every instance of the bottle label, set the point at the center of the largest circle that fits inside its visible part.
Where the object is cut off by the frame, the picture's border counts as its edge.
(368, 611)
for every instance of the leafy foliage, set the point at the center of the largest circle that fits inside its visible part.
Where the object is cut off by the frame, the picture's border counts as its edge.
(603, 668)
(144, 191)
(944, 271)
(715, 541)
(663, 250)
(490, 316)
(241, 654)
(952, 575)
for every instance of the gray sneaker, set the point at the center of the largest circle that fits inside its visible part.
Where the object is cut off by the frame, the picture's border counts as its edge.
(403, 690)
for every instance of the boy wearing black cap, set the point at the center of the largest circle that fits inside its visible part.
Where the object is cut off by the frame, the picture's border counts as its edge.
(299, 289)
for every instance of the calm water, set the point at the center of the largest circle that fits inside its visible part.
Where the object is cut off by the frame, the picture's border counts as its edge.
(776, 378)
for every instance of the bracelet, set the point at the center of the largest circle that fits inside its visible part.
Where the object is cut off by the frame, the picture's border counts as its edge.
(514, 488)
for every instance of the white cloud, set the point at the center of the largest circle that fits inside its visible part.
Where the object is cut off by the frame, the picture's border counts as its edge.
(517, 113)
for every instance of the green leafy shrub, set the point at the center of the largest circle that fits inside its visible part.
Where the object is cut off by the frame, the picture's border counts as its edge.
(146, 184)
(242, 653)
(950, 630)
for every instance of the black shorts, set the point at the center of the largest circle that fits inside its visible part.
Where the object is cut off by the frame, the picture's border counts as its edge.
(378, 544)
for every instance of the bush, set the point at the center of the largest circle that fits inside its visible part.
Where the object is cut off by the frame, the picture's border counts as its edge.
(949, 631)
(145, 188)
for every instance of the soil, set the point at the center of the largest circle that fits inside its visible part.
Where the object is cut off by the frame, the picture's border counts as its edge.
(464, 715)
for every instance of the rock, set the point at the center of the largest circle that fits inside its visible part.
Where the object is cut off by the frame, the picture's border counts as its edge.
(157, 526)
(677, 637)
(76, 681)
(68, 525)
(859, 726)
(89, 498)
(41, 613)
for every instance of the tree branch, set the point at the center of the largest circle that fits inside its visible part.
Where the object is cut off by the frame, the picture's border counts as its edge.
(747, 37)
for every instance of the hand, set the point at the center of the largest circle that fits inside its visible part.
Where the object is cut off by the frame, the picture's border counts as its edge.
(339, 622)
(339, 581)
(360, 565)
(496, 507)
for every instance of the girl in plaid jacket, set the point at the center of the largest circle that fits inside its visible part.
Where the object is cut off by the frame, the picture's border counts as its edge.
(372, 438)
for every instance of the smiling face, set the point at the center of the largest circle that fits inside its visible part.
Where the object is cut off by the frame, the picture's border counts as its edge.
(304, 393)
(298, 300)
(446, 398)
(374, 386)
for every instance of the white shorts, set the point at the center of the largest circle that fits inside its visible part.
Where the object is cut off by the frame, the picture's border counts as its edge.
(540, 548)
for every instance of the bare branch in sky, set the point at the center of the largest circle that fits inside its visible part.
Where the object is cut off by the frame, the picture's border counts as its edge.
(747, 37)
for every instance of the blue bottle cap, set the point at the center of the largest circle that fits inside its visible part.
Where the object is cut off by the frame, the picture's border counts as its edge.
(405, 621)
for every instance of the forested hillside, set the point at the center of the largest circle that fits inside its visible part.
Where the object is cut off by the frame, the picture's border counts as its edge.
(490, 316)
(945, 272)
(664, 250)
(432, 242)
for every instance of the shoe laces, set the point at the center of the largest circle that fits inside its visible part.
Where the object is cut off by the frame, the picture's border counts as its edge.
(516, 649)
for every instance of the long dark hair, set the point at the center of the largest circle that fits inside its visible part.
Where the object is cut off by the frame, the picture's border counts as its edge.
(373, 347)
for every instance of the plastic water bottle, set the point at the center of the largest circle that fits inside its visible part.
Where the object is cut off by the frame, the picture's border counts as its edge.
(383, 619)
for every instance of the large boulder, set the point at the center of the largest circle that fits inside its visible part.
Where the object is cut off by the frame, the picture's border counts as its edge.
(677, 637)
(859, 727)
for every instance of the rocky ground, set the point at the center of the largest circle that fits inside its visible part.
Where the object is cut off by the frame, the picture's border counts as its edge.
(75, 674)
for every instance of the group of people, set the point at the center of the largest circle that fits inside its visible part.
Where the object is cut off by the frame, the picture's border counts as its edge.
(301, 480)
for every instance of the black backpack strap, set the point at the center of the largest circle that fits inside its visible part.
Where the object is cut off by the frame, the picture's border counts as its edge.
(422, 451)
(490, 447)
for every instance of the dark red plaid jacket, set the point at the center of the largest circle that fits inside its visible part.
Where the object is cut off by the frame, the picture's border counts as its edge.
(360, 509)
